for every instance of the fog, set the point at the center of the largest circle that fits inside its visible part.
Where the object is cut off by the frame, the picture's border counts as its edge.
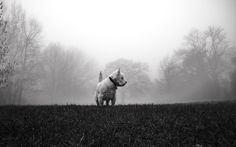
(138, 30)
(164, 41)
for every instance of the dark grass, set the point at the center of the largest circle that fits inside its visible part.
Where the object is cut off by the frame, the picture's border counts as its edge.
(204, 124)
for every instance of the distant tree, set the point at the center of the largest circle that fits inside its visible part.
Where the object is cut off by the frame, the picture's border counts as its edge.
(216, 48)
(58, 70)
(169, 73)
(6, 67)
(139, 83)
(199, 66)
(24, 42)
(66, 74)
(233, 79)
(194, 65)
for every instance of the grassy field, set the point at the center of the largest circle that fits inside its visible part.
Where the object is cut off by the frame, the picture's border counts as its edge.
(203, 124)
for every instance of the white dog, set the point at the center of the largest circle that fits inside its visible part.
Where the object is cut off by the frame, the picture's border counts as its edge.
(106, 89)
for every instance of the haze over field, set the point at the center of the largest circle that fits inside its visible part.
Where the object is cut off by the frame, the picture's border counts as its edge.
(135, 29)
(170, 51)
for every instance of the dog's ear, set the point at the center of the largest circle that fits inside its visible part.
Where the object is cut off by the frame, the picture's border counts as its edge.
(118, 71)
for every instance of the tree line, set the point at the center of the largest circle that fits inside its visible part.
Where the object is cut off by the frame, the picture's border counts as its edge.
(204, 68)
(32, 72)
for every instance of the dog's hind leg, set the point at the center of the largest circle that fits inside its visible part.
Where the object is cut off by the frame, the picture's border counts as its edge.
(96, 98)
(99, 100)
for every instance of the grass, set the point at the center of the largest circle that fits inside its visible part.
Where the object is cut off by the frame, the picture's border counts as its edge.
(204, 124)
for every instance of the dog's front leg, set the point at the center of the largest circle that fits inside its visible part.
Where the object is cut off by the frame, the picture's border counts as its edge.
(97, 101)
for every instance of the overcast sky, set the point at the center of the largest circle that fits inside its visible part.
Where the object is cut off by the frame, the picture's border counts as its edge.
(139, 30)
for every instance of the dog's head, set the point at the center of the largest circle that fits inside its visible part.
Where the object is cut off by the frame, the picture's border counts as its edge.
(118, 78)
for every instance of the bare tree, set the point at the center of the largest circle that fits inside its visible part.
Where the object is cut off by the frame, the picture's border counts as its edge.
(197, 69)
(24, 41)
(66, 74)
(6, 66)
(216, 47)
(233, 79)
(169, 72)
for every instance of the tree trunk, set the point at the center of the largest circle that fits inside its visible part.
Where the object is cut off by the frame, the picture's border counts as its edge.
(19, 91)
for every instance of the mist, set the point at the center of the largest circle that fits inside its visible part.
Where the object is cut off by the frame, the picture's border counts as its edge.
(170, 51)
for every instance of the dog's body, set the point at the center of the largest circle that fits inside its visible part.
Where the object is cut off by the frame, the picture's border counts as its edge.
(106, 89)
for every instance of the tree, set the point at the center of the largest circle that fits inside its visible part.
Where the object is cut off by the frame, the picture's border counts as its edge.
(6, 67)
(216, 47)
(169, 72)
(194, 66)
(24, 41)
(66, 74)
(233, 79)
(197, 70)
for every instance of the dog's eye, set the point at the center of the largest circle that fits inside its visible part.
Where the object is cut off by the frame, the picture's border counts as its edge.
(122, 78)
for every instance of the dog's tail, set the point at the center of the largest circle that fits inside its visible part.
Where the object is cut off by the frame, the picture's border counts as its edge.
(100, 77)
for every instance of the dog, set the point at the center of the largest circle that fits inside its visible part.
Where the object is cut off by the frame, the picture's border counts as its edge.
(106, 89)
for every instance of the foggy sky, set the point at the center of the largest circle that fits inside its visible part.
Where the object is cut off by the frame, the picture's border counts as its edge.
(140, 30)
